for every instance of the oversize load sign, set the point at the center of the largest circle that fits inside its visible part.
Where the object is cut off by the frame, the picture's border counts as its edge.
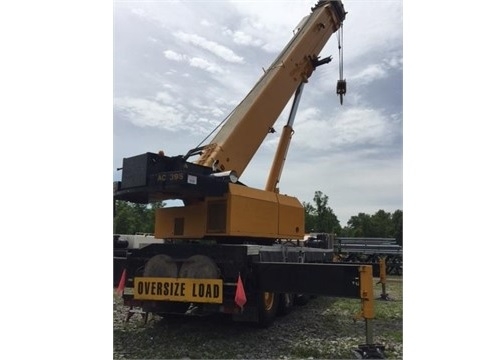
(173, 289)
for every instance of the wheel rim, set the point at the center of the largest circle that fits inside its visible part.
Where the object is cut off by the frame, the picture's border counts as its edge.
(268, 300)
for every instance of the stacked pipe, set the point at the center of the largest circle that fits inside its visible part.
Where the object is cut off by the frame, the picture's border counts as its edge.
(369, 250)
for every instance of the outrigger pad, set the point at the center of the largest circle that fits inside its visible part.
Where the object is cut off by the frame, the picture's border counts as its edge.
(371, 351)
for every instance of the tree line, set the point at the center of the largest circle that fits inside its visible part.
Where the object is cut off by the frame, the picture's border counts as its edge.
(132, 218)
(319, 217)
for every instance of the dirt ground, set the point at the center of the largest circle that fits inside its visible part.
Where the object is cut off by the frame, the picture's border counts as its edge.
(322, 329)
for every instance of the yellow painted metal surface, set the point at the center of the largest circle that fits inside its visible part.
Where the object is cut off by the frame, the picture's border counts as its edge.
(178, 289)
(168, 220)
(366, 292)
(290, 217)
(252, 212)
(239, 138)
(279, 159)
(244, 211)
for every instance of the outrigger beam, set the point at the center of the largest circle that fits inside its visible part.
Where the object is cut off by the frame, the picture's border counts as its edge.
(329, 279)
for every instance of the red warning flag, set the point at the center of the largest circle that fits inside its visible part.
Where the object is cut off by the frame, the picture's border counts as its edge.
(240, 297)
(122, 282)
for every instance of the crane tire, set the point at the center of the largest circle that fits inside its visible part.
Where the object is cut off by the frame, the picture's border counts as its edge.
(301, 299)
(285, 304)
(267, 306)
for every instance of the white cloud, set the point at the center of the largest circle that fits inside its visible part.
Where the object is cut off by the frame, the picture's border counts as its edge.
(242, 38)
(395, 62)
(354, 127)
(371, 28)
(175, 109)
(213, 110)
(261, 21)
(172, 55)
(143, 112)
(378, 71)
(157, 114)
(370, 73)
(206, 65)
(358, 126)
(165, 97)
(215, 48)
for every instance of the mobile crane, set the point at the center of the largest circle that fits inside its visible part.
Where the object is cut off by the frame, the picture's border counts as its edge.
(232, 248)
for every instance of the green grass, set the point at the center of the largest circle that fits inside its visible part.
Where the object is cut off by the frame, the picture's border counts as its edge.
(344, 334)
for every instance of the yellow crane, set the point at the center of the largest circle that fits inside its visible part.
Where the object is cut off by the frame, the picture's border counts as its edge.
(215, 205)
(232, 248)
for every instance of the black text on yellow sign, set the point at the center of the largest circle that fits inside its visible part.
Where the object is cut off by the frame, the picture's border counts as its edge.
(173, 289)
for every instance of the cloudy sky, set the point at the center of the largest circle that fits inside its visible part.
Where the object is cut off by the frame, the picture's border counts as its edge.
(179, 67)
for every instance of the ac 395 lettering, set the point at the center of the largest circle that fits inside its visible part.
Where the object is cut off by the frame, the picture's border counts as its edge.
(170, 177)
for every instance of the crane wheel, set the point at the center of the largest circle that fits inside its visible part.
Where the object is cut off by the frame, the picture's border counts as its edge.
(267, 306)
(285, 304)
(199, 267)
(301, 299)
(160, 265)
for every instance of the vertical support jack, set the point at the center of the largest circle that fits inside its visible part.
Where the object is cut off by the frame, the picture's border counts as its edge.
(369, 350)
(383, 279)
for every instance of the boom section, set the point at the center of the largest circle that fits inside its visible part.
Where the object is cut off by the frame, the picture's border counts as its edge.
(235, 144)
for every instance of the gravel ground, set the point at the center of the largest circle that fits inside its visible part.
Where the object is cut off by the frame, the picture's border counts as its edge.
(322, 329)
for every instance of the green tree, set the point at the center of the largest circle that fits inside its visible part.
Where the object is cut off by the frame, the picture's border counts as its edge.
(310, 217)
(381, 224)
(124, 218)
(397, 223)
(360, 225)
(345, 232)
(131, 218)
(320, 217)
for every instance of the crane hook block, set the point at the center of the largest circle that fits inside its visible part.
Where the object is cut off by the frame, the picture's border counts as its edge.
(341, 89)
